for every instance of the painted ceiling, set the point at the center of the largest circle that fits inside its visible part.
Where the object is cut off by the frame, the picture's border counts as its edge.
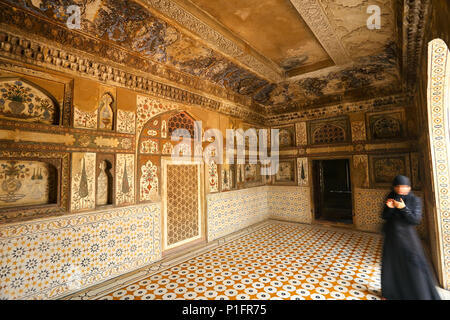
(273, 28)
(284, 54)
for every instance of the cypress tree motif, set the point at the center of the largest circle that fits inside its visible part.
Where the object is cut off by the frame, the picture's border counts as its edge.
(125, 184)
(83, 191)
(302, 173)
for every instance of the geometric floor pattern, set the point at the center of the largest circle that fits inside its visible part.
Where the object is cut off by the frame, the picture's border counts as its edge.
(277, 261)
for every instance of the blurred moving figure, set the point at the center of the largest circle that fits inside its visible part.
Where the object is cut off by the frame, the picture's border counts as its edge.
(405, 272)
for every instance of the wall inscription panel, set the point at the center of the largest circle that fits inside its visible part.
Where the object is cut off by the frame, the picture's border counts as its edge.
(384, 168)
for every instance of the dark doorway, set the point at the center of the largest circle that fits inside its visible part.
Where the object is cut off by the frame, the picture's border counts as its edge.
(332, 190)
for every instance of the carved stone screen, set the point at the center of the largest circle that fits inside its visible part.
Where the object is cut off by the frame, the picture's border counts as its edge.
(182, 204)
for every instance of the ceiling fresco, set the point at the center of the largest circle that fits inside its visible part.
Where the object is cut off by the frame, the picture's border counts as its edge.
(273, 27)
(290, 34)
(349, 20)
(377, 71)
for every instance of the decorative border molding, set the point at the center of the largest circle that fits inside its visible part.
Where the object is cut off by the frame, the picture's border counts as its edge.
(438, 124)
(21, 48)
(415, 16)
(208, 34)
(317, 21)
(16, 135)
(377, 104)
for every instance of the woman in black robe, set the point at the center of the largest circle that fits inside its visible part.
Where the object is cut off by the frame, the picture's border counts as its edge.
(405, 273)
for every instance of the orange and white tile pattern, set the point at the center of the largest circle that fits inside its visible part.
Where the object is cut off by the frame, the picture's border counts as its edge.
(278, 261)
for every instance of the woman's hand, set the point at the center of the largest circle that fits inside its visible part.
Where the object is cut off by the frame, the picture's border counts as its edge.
(390, 203)
(399, 204)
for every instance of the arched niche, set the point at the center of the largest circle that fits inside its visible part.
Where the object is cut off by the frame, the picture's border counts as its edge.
(106, 113)
(386, 127)
(105, 182)
(328, 133)
(154, 143)
(27, 183)
(23, 100)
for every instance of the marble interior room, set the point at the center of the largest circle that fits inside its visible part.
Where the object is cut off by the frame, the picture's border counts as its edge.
(93, 205)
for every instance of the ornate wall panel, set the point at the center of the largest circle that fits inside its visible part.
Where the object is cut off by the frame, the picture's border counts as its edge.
(148, 179)
(51, 258)
(85, 119)
(301, 135)
(125, 179)
(83, 181)
(126, 121)
(302, 172)
(25, 180)
(287, 136)
(213, 177)
(23, 101)
(148, 108)
(384, 168)
(328, 131)
(361, 170)
(358, 131)
(228, 177)
(55, 138)
(386, 125)
(286, 173)
(27, 183)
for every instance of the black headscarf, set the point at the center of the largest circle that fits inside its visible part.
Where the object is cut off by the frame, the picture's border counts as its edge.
(401, 181)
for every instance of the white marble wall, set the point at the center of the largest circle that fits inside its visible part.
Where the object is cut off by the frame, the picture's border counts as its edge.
(290, 203)
(231, 211)
(49, 258)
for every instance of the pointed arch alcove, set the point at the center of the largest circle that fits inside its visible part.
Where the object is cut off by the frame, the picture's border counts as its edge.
(22, 100)
(179, 185)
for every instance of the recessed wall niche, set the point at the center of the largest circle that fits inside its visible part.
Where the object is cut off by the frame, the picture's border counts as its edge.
(105, 179)
(27, 183)
(386, 125)
(384, 168)
(22, 100)
(228, 177)
(328, 131)
(33, 184)
(286, 174)
(106, 112)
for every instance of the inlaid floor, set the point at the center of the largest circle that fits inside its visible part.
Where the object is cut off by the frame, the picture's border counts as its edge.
(277, 261)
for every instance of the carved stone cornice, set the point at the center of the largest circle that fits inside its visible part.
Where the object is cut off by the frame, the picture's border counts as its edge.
(21, 48)
(314, 16)
(233, 84)
(376, 104)
(255, 62)
(415, 16)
